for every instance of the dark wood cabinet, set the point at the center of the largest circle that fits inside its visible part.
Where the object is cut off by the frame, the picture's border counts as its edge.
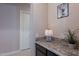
(49, 53)
(41, 51)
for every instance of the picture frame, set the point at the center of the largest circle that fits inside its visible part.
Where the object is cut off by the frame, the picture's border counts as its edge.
(63, 10)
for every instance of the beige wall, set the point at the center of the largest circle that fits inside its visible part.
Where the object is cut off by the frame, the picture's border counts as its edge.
(60, 26)
(40, 17)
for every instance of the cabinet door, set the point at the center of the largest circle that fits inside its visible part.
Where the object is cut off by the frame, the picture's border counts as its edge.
(39, 53)
(49, 53)
(40, 48)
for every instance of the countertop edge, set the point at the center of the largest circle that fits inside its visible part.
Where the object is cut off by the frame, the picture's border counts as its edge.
(51, 49)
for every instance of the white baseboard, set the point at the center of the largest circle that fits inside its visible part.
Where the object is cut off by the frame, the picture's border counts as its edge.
(9, 53)
(13, 52)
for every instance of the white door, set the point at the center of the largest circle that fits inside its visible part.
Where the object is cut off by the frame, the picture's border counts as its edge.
(24, 30)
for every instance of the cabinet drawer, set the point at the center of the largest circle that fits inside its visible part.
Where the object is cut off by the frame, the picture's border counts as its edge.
(41, 49)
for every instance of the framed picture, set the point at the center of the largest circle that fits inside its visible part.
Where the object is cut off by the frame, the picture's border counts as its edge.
(62, 10)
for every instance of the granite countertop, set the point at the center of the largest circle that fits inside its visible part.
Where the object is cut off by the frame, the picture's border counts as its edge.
(58, 46)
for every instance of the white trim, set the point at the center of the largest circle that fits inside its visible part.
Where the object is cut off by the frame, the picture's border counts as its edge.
(24, 44)
(9, 53)
(13, 52)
